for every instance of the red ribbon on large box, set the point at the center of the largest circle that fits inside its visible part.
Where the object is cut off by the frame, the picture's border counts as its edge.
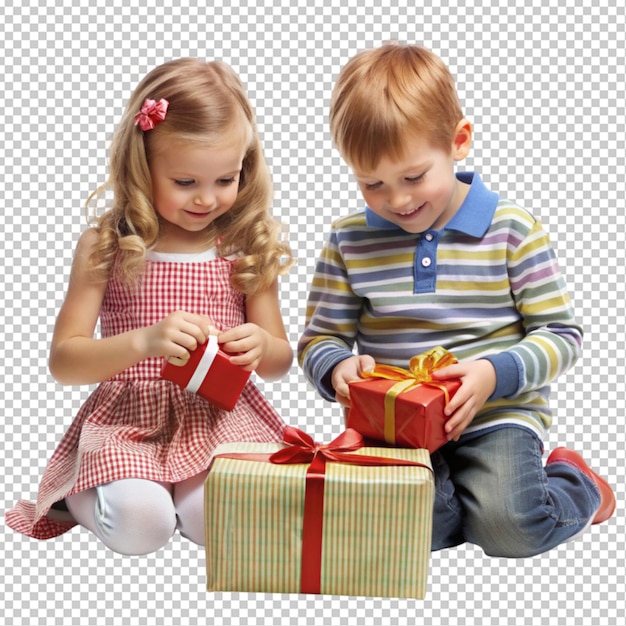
(210, 374)
(301, 448)
(421, 368)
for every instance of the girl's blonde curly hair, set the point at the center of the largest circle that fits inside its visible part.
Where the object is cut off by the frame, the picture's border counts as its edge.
(207, 105)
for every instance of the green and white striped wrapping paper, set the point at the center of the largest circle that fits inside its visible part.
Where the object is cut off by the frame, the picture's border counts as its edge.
(376, 532)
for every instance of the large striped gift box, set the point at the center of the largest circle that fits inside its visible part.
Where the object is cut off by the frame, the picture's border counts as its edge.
(350, 529)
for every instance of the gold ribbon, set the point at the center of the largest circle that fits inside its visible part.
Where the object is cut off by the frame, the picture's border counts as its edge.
(421, 367)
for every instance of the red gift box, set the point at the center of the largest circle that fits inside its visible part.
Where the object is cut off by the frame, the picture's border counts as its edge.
(404, 407)
(210, 374)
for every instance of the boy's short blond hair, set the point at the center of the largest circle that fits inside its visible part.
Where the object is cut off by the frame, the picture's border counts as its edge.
(386, 94)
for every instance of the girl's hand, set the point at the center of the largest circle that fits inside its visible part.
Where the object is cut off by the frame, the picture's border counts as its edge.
(175, 336)
(479, 382)
(247, 344)
(348, 371)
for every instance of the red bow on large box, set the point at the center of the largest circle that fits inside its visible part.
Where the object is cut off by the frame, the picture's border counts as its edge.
(404, 407)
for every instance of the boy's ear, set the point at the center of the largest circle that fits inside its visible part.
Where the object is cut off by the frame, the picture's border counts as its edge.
(462, 140)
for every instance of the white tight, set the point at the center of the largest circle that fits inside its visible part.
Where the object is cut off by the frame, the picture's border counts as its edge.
(135, 516)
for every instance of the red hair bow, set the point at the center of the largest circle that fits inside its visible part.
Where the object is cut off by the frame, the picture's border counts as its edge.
(151, 113)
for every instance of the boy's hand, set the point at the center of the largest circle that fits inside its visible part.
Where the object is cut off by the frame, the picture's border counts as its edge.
(348, 371)
(479, 382)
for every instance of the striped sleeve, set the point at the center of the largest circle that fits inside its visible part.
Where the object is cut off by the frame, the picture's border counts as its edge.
(553, 340)
(332, 315)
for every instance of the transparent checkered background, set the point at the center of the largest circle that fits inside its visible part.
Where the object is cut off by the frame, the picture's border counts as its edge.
(544, 86)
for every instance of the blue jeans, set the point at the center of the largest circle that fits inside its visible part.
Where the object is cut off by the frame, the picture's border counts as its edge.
(492, 490)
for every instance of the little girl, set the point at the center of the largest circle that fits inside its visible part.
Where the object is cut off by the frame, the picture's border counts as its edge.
(187, 249)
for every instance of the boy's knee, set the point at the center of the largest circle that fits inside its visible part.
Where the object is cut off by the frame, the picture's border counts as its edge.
(501, 532)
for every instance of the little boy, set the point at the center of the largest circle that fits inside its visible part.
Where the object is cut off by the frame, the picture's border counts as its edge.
(435, 258)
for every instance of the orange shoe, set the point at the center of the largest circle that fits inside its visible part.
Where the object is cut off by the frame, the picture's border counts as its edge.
(607, 498)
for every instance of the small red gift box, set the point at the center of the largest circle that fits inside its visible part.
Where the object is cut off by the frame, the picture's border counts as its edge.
(210, 374)
(396, 407)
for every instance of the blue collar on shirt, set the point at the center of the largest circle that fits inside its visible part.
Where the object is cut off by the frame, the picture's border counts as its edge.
(473, 217)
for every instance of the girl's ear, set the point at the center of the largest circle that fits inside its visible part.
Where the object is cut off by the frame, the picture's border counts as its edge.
(462, 140)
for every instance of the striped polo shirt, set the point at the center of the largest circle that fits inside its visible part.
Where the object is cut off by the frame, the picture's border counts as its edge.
(487, 285)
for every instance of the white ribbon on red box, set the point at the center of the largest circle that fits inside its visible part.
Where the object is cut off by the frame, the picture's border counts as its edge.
(204, 365)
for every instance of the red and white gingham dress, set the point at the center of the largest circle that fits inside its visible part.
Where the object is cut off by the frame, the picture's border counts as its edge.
(137, 425)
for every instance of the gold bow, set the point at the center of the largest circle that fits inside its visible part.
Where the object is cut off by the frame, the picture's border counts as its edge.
(421, 367)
